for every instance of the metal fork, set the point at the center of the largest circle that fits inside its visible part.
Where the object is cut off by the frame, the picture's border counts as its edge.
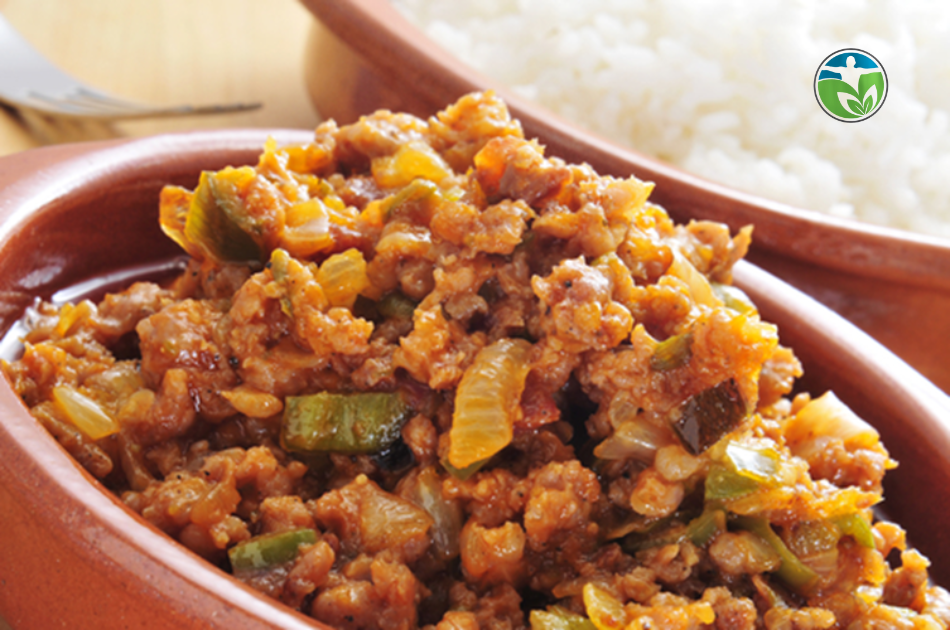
(51, 101)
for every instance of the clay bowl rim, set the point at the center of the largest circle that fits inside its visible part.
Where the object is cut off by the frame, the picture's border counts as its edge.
(397, 51)
(29, 455)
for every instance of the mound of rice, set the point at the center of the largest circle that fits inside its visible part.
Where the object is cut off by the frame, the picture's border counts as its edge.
(724, 89)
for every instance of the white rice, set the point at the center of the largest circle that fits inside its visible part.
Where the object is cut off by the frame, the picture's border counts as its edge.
(723, 89)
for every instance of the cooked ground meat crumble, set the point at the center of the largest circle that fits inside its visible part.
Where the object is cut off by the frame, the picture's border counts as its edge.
(419, 374)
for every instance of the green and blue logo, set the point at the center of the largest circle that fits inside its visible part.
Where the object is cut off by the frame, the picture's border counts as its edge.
(850, 85)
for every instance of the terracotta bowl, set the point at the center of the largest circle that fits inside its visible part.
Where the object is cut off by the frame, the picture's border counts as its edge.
(72, 553)
(363, 55)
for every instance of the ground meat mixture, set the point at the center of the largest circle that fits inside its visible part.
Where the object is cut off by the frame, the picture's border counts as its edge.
(419, 374)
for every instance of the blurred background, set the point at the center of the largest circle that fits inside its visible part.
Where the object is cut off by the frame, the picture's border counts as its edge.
(173, 52)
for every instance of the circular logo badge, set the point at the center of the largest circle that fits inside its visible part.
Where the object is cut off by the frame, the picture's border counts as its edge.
(850, 85)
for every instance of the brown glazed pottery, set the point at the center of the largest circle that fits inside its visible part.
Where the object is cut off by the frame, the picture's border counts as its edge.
(73, 555)
(363, 55)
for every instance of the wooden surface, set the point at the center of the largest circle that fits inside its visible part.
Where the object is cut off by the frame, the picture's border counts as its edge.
(172, 52)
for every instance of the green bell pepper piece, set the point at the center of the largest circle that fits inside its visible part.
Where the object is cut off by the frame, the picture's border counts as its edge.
(366, 422)
(857, 527)
(672, 352)
(793, 571)
(268, 550)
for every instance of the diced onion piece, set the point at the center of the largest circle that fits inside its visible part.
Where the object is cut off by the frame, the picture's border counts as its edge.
(757, 463)
(699, 287)
(623, 408)
(230, 186)
(810, 538)
(295, 284)
(70, 315)
(412, 160)
(703, 611)
(675, 464)
(269, 550)
(406, 242)
(85, 413)
(558, 618)
(425, 490)
(374, 214)
(279, 264)
(672, 353)
(173, 205)
(744, 469)
(487, 402)
(419, 194)
(385, 521)
(828, 416)
(340, 213)
(605, 611)
(823, 563)
(302, 158)
(634, 528)
(342, 216)
(723, 484)
(734, 298)
(118, 382)
(306, 228)
(311, 214)
(636, 439)
(760, 554)
(252, 402)
(343, 277)
(415, 192)
(815, 543)
(213, 230)
(857, 527)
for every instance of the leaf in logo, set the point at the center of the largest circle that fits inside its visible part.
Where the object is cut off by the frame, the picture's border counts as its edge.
(850, 103)
(870, 98)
